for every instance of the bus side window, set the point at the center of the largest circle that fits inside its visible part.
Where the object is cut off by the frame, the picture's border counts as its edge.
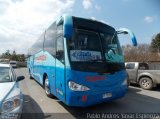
(50, 40)
(38, 46)
(60, 49)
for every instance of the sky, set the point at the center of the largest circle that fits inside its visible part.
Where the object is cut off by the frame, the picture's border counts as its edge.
(22, 21)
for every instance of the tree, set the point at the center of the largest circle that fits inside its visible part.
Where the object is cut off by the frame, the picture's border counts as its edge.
(6, 55)
(140, 53)
(14, 52)
(155, 44)
(14, 56)
(21, 57)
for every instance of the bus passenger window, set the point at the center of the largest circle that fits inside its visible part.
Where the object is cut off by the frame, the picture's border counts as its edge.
(60, 49)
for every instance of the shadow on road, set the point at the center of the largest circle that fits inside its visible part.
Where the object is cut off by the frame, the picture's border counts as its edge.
(31, 110)
(136, 101)
(157, 88)
(133, 102)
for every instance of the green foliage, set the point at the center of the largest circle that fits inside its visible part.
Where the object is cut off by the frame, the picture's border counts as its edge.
(6, 55)
(13, 56)
(155, 44)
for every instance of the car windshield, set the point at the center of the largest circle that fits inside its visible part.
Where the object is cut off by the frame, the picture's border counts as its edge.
(4, 74)
(88, 46)
(12, 62)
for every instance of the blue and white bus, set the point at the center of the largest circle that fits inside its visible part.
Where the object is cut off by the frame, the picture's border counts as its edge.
(80, 61)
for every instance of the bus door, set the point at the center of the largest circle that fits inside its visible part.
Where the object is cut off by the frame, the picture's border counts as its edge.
(60, 69)
(32, 69)
(30, 65)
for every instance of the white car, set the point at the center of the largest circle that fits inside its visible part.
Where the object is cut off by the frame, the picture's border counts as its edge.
(11, 98)
(13, 64)
(4, 61)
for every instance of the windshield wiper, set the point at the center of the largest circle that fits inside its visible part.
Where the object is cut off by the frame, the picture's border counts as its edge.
(98, 60)
(109, 60)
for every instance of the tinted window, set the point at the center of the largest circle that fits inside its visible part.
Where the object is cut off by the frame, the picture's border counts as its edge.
(154, 66)
(60, 49)
(50, 40)
(130, 66)
(143, 66)
(4, 74)
(85, 46)
(59, 30)
(110, 41)
(38, 45)
(87, 41)
(111, 47)
(80, 23)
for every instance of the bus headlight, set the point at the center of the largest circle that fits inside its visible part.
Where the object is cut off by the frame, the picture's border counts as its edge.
(77, 87)
(10, 104)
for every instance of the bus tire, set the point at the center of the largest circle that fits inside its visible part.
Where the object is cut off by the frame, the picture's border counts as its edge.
(30, 76)
(146, 83)
(47, 87)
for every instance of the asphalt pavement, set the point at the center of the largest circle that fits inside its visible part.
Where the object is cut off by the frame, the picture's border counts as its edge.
(38, 105)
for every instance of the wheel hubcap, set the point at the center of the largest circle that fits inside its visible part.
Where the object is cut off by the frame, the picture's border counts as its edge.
(145, 83)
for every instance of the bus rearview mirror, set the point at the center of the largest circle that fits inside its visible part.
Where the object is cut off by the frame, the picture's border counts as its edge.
(131, 34)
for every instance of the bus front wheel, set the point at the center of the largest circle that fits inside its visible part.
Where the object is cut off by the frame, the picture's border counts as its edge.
(47, 87)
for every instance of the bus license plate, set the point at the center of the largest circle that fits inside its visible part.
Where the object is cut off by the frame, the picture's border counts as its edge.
(107, 95)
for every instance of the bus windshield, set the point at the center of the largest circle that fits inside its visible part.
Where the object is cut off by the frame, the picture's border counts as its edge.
(89, 46)
(111, 47)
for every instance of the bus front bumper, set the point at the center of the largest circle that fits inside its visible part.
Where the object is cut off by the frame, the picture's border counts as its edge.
(88, 98)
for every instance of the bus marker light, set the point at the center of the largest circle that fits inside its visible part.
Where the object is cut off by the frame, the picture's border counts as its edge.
(84, 98)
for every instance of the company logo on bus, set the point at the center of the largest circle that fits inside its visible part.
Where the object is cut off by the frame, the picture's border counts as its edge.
(78, 55)
(41, 58)
(95, 78)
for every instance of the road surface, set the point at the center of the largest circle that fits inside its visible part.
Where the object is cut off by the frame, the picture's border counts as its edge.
(38, 105)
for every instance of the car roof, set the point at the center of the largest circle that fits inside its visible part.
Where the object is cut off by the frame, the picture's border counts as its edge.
(4, 65)
(13, 61)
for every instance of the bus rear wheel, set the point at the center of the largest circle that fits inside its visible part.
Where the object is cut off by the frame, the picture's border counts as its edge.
(47, 87)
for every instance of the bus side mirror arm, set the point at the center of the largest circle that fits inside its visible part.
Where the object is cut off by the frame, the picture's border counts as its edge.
(131, 34)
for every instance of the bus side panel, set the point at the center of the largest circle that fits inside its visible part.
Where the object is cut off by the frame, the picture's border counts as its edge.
(49, 69)
(38, 67)
(60, 80)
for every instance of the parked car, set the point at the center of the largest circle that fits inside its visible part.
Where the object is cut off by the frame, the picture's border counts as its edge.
(4, 61)
(11, 98)
(13, 64)
(143, 74)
